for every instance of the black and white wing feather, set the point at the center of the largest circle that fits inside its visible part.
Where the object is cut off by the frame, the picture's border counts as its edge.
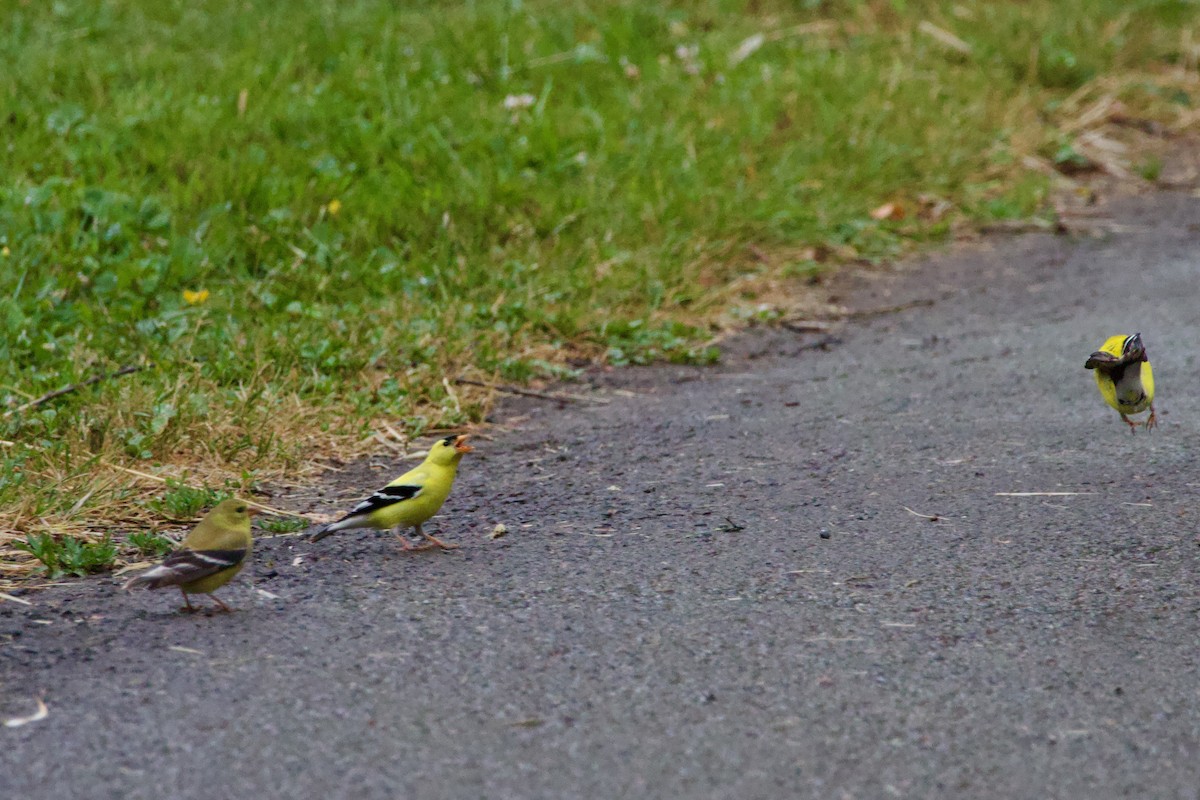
(357, 517)
(184, 566)
(387, 496)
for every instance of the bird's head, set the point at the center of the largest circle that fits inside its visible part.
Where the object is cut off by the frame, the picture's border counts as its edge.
(232, 513)
(1133, 349)
(449, 450)
(1117, 352)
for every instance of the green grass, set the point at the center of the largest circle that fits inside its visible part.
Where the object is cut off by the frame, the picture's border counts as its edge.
(301, 219)
(69, 555)
(183, 503)
(150, 544)
(283, 524)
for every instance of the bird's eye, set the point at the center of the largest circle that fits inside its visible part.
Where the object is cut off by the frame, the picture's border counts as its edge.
(241, 509)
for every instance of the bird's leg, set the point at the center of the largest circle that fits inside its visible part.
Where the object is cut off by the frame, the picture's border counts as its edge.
(224, 607)
(429, 543)
(433, 541)
(188, 607)
(1133, 426)
(1152, 420)
(436, 542)
(405, 544)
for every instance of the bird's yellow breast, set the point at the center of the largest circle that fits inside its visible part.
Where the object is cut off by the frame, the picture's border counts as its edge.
(215, 581)
(435, 481)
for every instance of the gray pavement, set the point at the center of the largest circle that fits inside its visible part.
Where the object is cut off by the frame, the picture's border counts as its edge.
(663, 619)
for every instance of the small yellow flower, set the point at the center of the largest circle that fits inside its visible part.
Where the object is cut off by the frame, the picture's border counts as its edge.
(334, 207)
(195, 298)
(4, 251)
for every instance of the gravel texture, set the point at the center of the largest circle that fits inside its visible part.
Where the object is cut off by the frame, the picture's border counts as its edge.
(664, 618)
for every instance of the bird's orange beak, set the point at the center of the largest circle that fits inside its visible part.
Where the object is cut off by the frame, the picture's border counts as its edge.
(251, 511)
(460, 444)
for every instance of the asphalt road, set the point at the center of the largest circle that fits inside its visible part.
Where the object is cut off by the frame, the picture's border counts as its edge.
(664, 620)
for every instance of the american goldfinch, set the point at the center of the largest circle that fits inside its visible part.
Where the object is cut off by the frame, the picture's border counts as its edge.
(410, 500)
(1123, 374)
(208, 558)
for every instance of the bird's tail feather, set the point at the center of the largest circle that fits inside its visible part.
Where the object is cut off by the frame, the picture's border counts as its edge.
(150, 579)
(332, 527)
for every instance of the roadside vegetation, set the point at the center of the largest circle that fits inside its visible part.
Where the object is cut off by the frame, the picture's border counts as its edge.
(255, 240)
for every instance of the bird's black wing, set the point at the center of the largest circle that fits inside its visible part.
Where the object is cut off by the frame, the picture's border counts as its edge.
(387, 496)
(1102, 361)
(186, 565)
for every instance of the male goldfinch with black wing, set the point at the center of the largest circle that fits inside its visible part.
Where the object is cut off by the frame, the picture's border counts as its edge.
(410, 500)
(1126, 381)
(208, 558)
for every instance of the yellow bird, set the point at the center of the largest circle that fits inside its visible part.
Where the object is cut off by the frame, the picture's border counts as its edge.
(410, 500)
(208, 558)
(1126, 381)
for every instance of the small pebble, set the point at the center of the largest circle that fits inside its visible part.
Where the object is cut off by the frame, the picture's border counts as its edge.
(825, 534)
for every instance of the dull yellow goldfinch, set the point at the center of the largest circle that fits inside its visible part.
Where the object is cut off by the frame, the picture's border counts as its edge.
(1126, 381)
(410, 500)
(208, 558)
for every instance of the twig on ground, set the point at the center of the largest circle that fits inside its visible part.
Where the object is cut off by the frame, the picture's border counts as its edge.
(399, 437)
(1022, 226)
(930, 517)
(824, 343)
(884, 310)
(559, 396)
(1038, 494)
(805, 326)
(74, 387)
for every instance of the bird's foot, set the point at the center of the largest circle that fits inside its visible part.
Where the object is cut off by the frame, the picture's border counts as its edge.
(409, 547)
(1133, 426)
(1152, 420)
(436, 542)
(223, 608)
(188, 608)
